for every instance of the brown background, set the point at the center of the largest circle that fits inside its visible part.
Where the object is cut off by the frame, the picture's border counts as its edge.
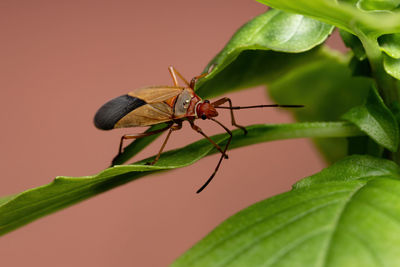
(61, 60)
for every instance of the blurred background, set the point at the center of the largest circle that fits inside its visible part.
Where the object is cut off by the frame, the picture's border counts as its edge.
(60, 61)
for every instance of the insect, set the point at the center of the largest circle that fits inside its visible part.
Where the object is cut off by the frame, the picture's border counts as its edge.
(171, 105)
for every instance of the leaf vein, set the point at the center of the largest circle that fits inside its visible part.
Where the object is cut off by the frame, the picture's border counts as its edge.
(325, 252)
(260, 220)
(366, 245)
(294, 244)
(280, 227)
(294, 31)
(381, 211)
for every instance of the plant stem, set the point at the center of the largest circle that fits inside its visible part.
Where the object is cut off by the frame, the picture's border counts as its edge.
(385, 83)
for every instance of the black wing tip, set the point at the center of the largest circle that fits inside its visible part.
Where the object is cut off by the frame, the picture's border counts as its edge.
(100, 123)
(112, 111)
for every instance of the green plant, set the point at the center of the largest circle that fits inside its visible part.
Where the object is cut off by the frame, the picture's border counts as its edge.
(346, 215)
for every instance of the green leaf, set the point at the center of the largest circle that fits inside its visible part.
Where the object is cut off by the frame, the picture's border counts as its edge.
(327, 89)
(279, 31)
(352, 168)
(255, 67)
(392, 66)
(27, 206)
(321, 87)
(5, 199)
(378, 4)
(274, 30)
(343, 15)
(390, 44)
(347, 215)
(376, 120)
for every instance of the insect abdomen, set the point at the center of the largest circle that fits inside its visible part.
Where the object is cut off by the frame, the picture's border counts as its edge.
(112, 111)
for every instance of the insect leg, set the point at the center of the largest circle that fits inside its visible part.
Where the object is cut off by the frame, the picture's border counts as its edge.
(140, 135)
(198, 129)
(220, 159)
(176, 127)
(223, 101)
(173, 73)
(192, 83)
(195, 79)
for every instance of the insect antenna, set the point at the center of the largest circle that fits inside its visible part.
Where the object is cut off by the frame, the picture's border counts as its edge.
(263, 106)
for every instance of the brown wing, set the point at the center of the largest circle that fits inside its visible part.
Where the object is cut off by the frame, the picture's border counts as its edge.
(146, 115)
(157, 93)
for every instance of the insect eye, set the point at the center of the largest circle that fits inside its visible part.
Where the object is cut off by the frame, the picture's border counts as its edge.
(206, 101)
(203, 117)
